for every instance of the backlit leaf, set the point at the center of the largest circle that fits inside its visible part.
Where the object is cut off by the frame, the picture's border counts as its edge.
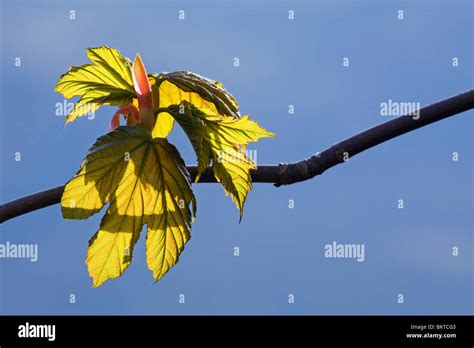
(136, 171)
(220, 139)
(108, 80)
(146, 182)
(211, 91)
(164, 122)
(176, 87)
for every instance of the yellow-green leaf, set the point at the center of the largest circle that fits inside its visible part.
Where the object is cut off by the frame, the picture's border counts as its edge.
(221, 139)
(210, 91)
(146, 182)
(164, 121)
(176, 87)
(108, 80)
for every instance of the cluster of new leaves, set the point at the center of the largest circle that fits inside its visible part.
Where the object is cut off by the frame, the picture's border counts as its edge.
(137, 171)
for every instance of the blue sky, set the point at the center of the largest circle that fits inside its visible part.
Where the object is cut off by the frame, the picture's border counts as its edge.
(407, 251)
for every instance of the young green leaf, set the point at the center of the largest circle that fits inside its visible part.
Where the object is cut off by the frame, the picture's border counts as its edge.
(223, 103)
(137, 171)
(164, 122)
(108, 80)
(146, 182)
(221, 139)
(176, 87)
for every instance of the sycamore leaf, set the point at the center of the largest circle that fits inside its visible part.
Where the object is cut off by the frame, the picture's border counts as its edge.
(164, 122)
(146, 182)
(137, 171)
(108, 80)
(210, 90)
(176, 87)
(220, 139)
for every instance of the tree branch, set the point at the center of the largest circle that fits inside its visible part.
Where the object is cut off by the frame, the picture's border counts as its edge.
(286, 174)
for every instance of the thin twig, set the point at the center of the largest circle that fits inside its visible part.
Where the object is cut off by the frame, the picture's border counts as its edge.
(286, 174)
